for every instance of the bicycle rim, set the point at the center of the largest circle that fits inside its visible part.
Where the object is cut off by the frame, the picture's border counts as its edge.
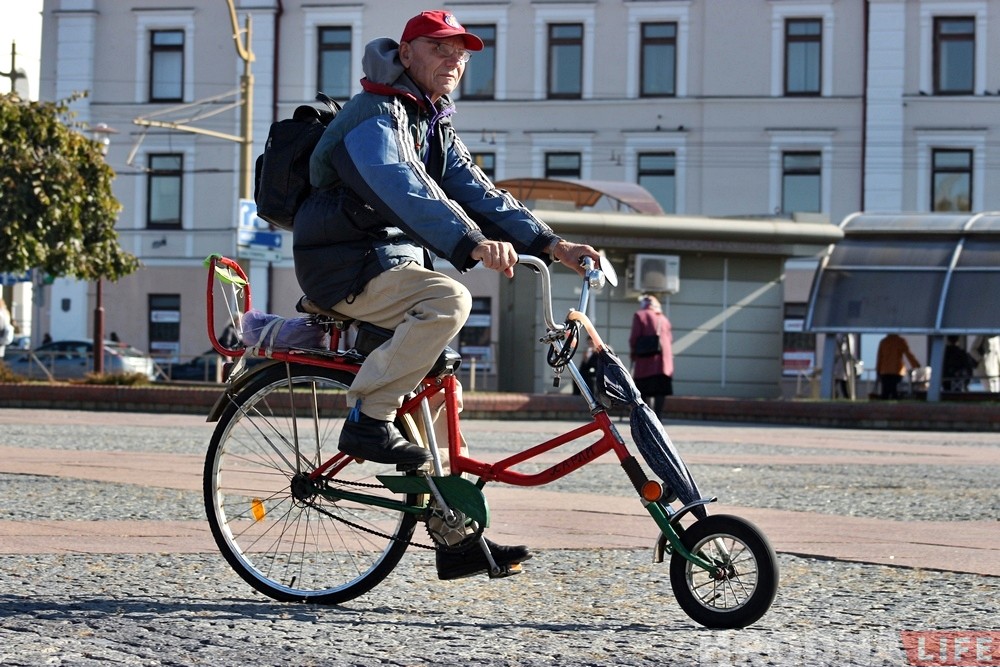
(277, 532)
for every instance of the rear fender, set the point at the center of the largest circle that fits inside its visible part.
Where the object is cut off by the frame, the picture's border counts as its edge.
(234, 387)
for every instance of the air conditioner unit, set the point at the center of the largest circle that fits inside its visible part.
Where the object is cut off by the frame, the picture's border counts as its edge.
(656, 273)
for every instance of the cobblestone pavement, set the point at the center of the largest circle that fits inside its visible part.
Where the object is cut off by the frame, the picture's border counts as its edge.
(571, 606)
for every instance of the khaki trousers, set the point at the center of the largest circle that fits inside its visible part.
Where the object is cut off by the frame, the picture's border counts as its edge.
(426, 310)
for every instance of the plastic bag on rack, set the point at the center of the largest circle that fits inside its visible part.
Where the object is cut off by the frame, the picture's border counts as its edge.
(268, 332)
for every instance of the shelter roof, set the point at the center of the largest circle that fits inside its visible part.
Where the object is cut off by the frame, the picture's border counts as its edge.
(616, 195)
(920, 273)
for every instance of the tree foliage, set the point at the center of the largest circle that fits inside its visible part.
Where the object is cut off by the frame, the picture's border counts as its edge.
(57, 211)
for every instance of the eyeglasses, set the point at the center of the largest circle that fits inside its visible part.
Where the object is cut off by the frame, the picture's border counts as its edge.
(448, 51)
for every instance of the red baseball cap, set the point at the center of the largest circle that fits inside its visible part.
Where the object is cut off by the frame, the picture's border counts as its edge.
(437, 24)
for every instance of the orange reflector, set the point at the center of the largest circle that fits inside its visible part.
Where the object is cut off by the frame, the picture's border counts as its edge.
(652, 491)
(257, 509)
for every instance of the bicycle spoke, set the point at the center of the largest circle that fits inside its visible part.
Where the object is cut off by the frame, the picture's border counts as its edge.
(274, 524)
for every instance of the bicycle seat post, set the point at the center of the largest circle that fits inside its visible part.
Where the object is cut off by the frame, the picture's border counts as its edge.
(425, 414)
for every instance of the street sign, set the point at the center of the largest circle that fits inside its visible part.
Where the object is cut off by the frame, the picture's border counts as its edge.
(258, 252)
(247, 216)
(252, 231)
(8, 279)
(269, 240)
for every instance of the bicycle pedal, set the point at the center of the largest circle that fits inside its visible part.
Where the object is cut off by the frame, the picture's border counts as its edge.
(507, 571)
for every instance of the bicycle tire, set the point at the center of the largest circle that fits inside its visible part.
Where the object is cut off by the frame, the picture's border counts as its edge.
(740, 591)
(281, 537)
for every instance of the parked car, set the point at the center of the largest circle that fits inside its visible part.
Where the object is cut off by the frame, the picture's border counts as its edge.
(69, 359)
(17, 348)
(20, 342)
(202, 368)
(206, 367)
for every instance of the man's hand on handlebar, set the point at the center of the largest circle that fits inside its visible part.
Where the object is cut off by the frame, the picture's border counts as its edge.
(496, 255)
(501, 256)
(572, 254)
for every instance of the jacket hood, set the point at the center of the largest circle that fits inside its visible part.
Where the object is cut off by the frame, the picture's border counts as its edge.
(381, 66)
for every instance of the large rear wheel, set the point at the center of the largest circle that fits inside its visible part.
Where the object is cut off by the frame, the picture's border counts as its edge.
(270, 519)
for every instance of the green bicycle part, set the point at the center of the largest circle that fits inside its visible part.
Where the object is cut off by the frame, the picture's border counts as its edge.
(662, 520)
(224, 273)
(368, 499)
(458, 492)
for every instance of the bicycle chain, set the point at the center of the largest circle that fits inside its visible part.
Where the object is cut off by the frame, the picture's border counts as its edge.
(372, 531)
(363, 529)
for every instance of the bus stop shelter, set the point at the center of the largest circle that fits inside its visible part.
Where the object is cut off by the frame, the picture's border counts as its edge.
(932, 274)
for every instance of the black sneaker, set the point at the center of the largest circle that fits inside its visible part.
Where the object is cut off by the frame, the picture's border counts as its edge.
(380, 441)
(467, 559)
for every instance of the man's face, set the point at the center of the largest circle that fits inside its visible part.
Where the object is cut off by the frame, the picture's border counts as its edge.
(435, 73)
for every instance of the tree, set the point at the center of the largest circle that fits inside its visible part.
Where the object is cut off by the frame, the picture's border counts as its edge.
(57, 211)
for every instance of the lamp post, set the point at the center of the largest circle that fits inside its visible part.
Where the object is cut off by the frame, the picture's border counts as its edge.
(101, 134)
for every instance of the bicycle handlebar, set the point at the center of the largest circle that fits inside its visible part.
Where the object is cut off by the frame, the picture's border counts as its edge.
(594, 278)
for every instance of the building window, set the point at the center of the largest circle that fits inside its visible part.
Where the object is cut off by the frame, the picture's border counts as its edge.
(803, 56)
(658, 60)
(163, 191)
(951, 180)
(657, 173)
(474, 342)
(487, 162)
(565, 60)
(801, 179)
(334, 70)
(479, 80)
(166, 66)
(954, 55)
(562, 165)
(165, 326)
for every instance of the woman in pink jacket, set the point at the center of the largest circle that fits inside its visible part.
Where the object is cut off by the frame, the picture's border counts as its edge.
(652, 369)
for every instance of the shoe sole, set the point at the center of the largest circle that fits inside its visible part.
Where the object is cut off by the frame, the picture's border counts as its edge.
(510, 568)
(409, 463)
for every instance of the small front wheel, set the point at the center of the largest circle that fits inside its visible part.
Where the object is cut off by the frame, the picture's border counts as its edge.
(740, 587)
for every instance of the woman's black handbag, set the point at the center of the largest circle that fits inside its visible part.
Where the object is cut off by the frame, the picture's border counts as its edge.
(648, 346)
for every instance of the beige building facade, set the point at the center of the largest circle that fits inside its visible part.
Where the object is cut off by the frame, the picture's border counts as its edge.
(724, 109)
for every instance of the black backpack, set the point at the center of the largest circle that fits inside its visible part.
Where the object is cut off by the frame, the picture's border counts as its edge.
(281, 176)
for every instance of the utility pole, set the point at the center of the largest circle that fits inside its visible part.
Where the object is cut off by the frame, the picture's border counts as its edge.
(244, 51)
(13, 74)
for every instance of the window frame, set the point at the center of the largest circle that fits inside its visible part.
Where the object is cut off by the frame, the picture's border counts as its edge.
(789, 41)
(671, 172)
(801, 141)
(968, 171)
(940, 40)
(943, 8)
(481, 158)
(323, 48)
(315, 17)
(553, 172)
(153, 174)
(780, 11)
(489, 47)
(552, 44)
(157, 49)
(787, 172)
(162, 19)
(645, 42)
(659, 142)
(575, 12)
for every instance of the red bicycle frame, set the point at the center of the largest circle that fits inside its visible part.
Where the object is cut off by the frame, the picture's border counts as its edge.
(501, 471)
